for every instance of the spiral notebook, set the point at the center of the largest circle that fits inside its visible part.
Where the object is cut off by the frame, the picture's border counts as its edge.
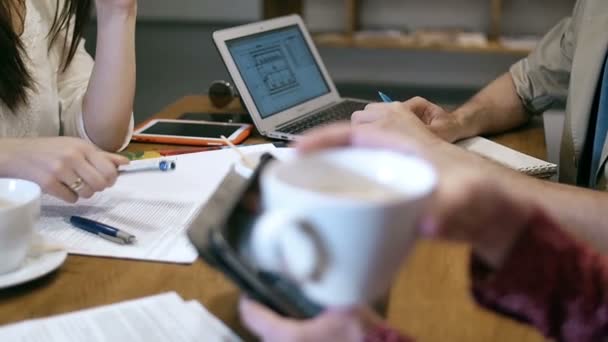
(508, 157)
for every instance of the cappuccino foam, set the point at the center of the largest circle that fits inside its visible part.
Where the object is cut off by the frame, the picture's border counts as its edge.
(347, 184)
(4, 203)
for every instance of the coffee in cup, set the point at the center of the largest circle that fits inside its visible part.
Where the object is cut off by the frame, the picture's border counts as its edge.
(19, 212)
(340, 222)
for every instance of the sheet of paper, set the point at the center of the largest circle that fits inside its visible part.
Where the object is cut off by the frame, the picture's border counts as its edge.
(211, 323)
(164, 317)
(156, 207)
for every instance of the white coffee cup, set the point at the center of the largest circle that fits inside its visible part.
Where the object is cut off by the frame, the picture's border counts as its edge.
(340, 222)
(19, 211)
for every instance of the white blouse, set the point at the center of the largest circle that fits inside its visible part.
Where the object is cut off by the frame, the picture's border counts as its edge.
(55, 103)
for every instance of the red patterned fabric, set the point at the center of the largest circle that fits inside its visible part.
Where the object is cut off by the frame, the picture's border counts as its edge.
(383, 333)
(550, 281)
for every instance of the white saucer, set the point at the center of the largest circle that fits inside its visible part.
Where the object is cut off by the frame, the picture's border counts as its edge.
(33, 268)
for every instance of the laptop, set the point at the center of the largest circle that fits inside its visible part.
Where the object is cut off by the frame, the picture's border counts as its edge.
(281, 78)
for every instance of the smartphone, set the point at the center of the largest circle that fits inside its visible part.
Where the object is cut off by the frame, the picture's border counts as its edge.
(220, 232)
(190, 132)
(218, 117)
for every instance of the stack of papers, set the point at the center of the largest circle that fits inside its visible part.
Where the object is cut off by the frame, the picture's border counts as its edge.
(156, 207)
(161, 318)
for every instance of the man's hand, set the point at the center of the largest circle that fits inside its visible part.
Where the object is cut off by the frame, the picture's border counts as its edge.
(408, 118)
(394, 117)
(441, 122)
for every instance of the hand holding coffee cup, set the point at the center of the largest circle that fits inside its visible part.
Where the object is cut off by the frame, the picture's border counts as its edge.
(340, 222)
(19, 211)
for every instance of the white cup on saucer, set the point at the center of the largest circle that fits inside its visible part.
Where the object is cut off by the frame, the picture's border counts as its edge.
(340, 222)
(19, 212)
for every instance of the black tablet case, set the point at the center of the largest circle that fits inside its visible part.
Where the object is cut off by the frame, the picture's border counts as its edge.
(208, 234)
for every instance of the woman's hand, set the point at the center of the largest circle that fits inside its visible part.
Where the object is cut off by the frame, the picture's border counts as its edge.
(67, 168)
(346, 325)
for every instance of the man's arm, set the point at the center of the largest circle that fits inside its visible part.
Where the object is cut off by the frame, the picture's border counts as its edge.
(496, 108)
(532, 85)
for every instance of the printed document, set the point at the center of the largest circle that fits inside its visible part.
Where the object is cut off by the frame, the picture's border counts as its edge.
(156, 207)
(160, 318)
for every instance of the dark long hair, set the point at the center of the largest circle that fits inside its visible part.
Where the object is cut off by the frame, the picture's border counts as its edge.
(15, 79)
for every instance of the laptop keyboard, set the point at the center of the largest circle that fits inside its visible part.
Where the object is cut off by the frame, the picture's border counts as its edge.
(340, 112)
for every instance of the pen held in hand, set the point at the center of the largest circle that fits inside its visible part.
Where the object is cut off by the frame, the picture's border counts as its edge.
(385, 98)
(163, 165)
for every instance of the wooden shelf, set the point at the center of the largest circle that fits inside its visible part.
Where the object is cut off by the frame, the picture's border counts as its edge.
(348, 37)
(343, 40)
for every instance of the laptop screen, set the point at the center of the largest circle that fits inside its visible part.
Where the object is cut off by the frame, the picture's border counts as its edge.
(278, 69)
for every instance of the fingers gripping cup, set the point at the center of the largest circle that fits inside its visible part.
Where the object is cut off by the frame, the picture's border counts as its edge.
(19, 211)
(339, 223)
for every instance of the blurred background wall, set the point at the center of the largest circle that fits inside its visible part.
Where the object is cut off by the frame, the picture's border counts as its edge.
(176, 55)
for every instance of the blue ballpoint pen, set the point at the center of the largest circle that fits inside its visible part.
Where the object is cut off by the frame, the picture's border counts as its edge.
(102, 230)
(384, 97)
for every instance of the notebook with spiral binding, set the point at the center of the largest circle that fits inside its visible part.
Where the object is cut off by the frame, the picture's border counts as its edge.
(508, 157)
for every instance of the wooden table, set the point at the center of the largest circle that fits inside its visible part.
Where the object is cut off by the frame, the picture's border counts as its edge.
(430, 300)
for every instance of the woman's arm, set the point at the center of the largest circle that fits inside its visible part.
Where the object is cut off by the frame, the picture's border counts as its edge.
(108, 102)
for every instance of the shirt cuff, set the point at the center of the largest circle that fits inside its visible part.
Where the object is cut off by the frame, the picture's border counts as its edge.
(82, 132)
(525, 89)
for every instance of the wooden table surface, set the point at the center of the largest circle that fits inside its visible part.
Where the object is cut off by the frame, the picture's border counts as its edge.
(429, 301)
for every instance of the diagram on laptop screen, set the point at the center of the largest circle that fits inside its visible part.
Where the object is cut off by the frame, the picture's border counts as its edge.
(274, 69)
(278, 69)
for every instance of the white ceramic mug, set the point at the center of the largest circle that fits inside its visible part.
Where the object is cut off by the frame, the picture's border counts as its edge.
(19, 211)
(340, 222)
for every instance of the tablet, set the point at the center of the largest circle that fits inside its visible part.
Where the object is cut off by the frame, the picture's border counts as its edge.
(190, 132)
(218, 117)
